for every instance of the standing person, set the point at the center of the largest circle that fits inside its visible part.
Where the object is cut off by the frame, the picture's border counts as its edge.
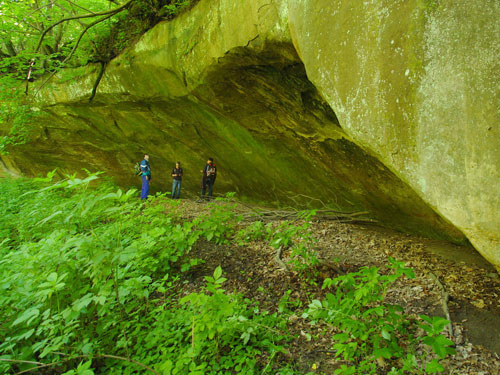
(146, 176)
(176, 185)
(208, 179)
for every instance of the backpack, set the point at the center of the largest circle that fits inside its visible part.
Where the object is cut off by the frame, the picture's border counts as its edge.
(137, 168)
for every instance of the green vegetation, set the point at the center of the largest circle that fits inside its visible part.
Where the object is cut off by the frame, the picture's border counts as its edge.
(15, 114)
(91, 273)
(287, 235)
(38, 38)
(371, 331)
(92, 282)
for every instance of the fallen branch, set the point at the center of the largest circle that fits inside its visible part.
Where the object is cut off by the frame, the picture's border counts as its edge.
(20, 361)
(277, 259)
(340, 216)
(444, 301)
(249, 213)
(293, 198)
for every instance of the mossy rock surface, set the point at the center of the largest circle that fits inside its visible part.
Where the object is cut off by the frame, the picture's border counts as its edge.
(418, 84)
(391, 108)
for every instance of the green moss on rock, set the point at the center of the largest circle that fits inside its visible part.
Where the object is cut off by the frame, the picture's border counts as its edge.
(389, 107)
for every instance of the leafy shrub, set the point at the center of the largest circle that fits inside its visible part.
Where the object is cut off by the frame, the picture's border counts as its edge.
(370, 330)
(217, 332)
(90, 284)
(218, 225)
(298, 238)
(174, 8)
(287, 235)
(90, 281)
(253, 232)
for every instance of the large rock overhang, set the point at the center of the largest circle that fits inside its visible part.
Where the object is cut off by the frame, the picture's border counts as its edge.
(244, 84)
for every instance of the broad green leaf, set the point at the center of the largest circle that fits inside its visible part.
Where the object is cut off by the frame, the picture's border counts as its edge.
(27, 315)
(434, 367)
(217, 272)
(385, 334)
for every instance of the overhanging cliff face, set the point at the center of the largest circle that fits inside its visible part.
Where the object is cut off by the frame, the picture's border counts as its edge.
(417, 82)
(292, 100)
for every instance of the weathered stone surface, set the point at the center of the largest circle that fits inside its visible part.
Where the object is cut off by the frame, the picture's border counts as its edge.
(414, 86)
(417, 83)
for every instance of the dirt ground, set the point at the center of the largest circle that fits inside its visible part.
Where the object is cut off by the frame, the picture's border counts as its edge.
(449, 277)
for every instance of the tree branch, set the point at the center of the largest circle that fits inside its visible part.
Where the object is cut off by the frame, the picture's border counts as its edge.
(74, 48)
(79, 6)
(40, 8)
(97, 81)
(88, 15)
(72, 12)
(107, 15)
(277, 259)
(84, 32)
(444, 302)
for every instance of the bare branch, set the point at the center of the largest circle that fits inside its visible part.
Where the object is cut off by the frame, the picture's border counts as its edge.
(72, 12)
(77, 17)
(79, 6)
(20, 361)
(277, 259)
(40, 8)
(106, 14)
(73, 49)
(445, 297)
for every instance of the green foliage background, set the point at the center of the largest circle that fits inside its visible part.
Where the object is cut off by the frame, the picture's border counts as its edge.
(92, 275)
(91, 282)
(24, 22)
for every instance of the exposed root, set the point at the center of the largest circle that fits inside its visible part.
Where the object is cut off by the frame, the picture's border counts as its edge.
(97, 81)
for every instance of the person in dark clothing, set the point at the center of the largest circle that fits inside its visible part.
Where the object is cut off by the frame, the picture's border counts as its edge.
(208, 179)
(146, 177)
(176, 185)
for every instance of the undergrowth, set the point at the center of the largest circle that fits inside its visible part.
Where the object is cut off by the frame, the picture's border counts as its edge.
(371, 333)
(91, 283)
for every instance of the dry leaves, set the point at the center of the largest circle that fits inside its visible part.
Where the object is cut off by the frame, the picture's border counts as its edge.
(473, 287)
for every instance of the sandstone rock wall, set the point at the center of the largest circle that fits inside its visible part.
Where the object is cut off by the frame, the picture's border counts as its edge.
(388, 106)
(417, 83)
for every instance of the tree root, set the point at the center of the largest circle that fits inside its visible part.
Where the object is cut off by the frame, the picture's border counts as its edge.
(97, 81)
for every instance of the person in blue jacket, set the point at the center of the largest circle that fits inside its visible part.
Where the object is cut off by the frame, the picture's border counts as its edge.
(146, 177)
